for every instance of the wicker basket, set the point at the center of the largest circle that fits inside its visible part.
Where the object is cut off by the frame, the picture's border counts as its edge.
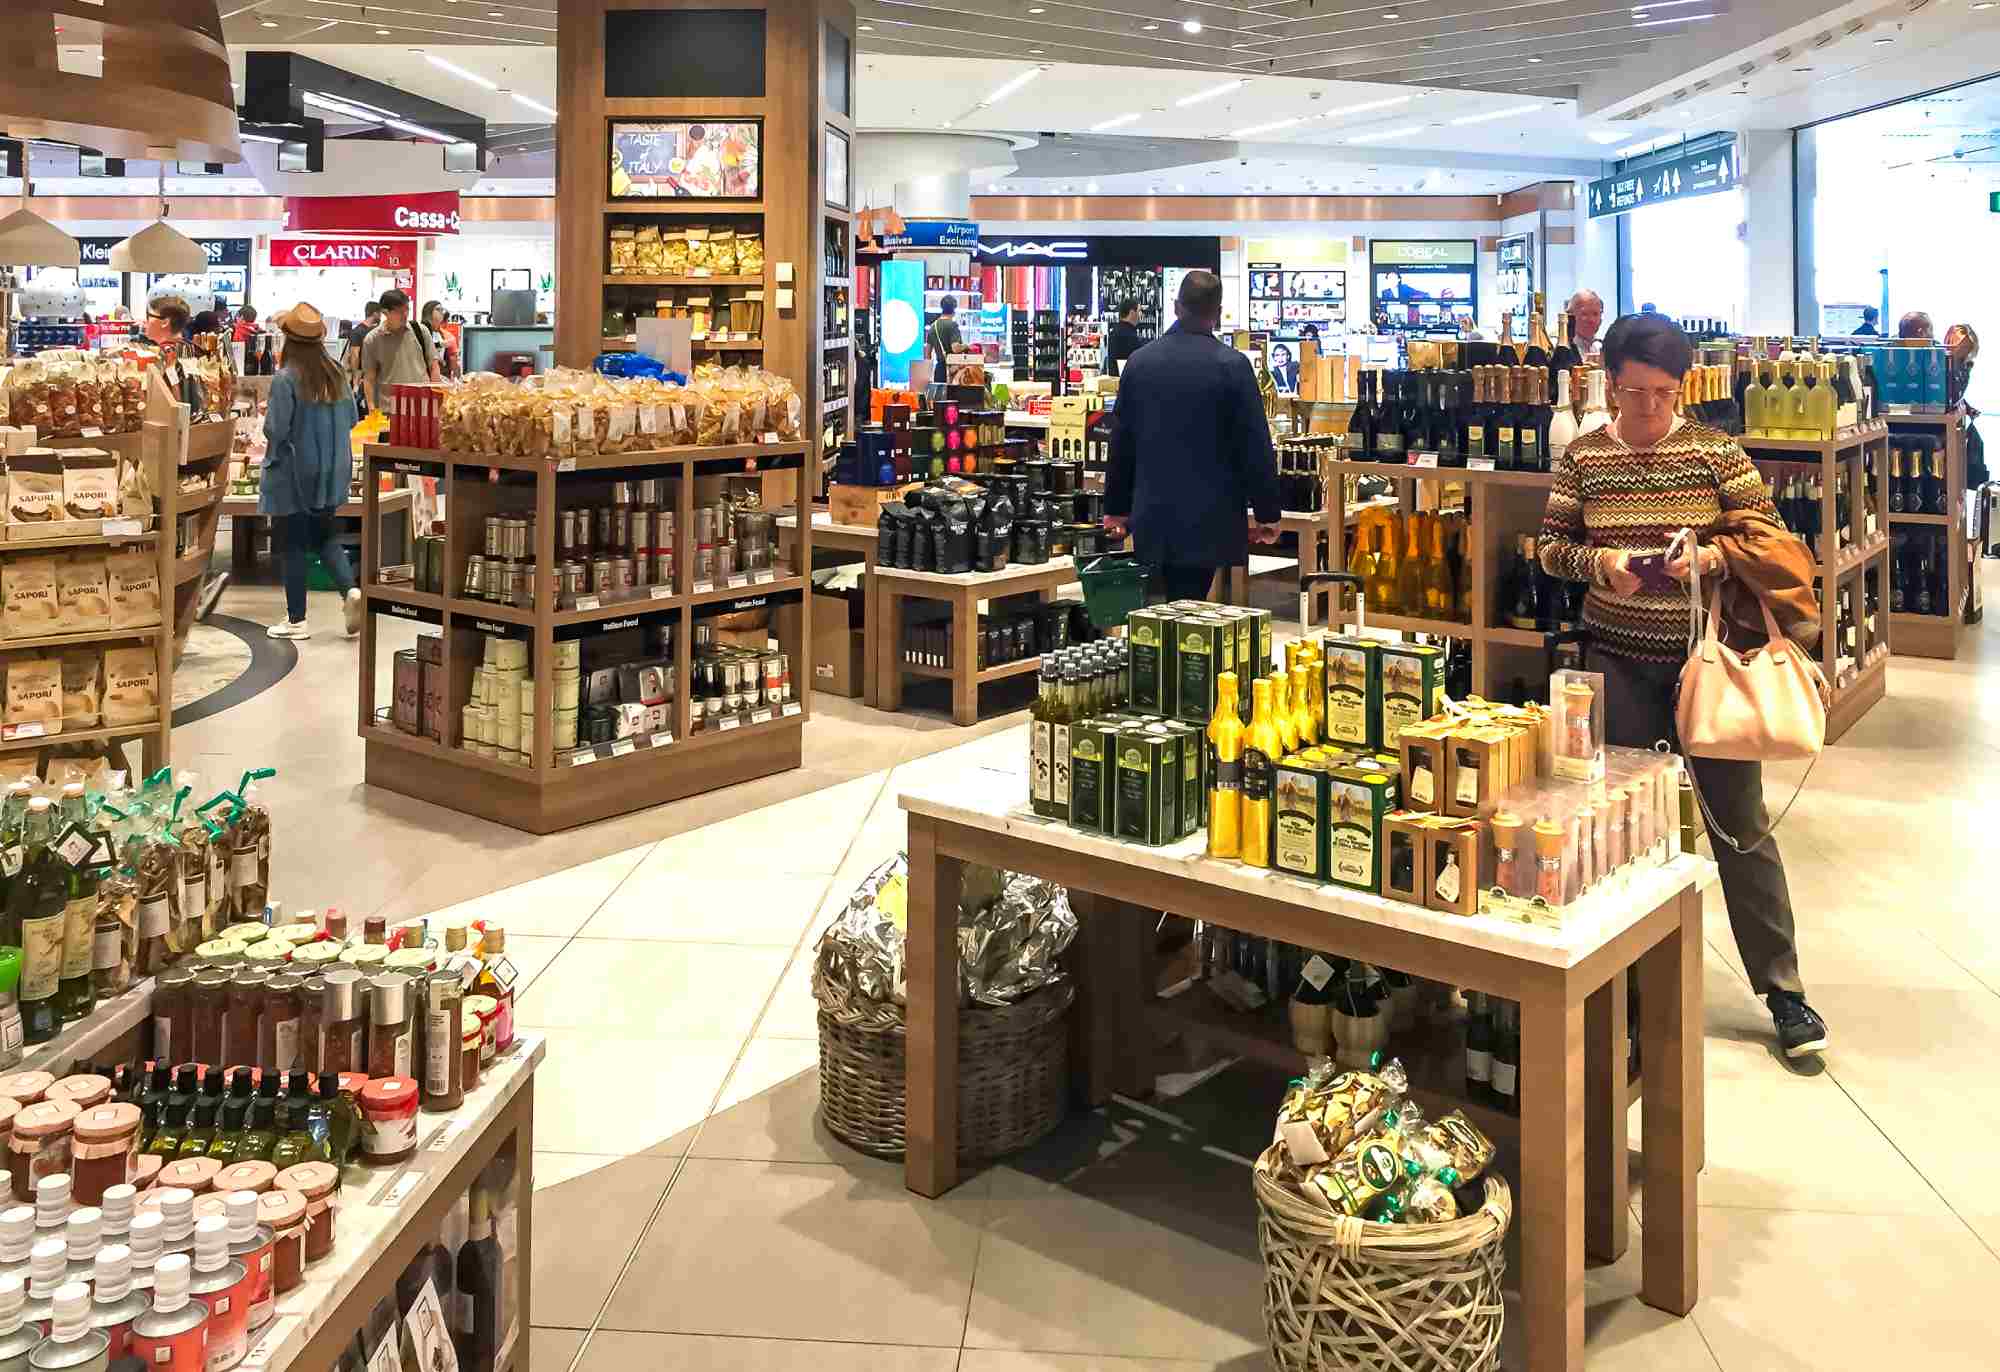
(1345, 1294)
(1013, 1071)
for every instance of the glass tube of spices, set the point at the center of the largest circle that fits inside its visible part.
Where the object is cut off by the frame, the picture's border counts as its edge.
(341, 1025)
(444, 1066)
(211, 1015)
(392, 1029)
(173, 1014)
(278, 1027)
(312, 993)
(246, 1012)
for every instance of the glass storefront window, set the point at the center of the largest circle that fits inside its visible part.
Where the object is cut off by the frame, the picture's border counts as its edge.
(1686, 258)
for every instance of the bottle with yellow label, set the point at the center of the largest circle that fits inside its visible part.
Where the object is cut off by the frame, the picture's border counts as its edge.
(1225, 772)
(1263, 746)
(1302, 715)
(1281, 713)
(1316, 694)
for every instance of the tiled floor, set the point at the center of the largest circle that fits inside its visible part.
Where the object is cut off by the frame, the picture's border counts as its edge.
(690, 1213)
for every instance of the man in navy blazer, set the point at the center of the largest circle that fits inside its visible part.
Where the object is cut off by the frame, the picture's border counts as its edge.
(1191, 450)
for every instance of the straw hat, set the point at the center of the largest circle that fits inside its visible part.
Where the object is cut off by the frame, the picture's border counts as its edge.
(302, 322)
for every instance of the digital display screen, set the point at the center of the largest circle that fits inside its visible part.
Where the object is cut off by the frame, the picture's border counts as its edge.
(687, 159)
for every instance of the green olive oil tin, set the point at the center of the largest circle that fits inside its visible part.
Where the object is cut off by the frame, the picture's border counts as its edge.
(1358, 798)
(1299, 843)
(1353, 691)
(1412, 679)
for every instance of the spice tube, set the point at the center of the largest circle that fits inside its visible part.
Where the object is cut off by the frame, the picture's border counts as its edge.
(40, 1145)
(1636, 841)
(1616, 845)
(119, 1204)
(340, 1026)
(107, 1139)
(392, 1029)
(285, 1213)
(48, 1268)
(1549, 861)
(17, 1337)
(173, 1335)
(314, 1181)
(114, 1302)
(1506, 827)
(1578, 741)
(219, 1283)
(388, 1119)
(17, 1236)
(444, 1063)
(1600, 835)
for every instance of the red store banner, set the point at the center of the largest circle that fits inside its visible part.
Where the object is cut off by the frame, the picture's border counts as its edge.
(419, 212)
(374, 254)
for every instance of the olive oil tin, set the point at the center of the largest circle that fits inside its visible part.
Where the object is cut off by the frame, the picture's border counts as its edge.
(1299, 834)
(1243, 658)
(1143, 773)
(1412, 677)
(1194, 775)
(1150, 634)
(1261, 645)
(1203, 644)
(1358, 799)
(1353, 691)
(1090, 780)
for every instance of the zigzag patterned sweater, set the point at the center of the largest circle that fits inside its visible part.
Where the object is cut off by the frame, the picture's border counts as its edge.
(1607, 495)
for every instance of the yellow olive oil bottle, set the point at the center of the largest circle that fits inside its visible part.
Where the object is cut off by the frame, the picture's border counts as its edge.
(1263, 747)
(1281, 713)
(1225, 773)
(1302, 715)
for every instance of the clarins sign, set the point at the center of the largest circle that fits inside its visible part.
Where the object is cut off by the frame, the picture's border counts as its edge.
(373, 254)
(421, 212)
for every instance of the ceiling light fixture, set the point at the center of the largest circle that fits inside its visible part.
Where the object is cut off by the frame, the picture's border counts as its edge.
(268, 23)
(1150, 25)
(1091, 188)
(1533, 60)
(1037, 9)
(1271, 127)
(1366, 105)
(159, 247)
(1603, 136)
(1180, 188)
(1883, 42)
(1984, 5)
(1007, 88)
(868, 28)
(1209, 94)
(1116, 123)
(1387, 134)
(460, 72)
(1507, 113)
(992, 186)
(381, 33)
(1678, 19)
(258, 138)
(1190, 26)
(537, 106)
(1392, 15)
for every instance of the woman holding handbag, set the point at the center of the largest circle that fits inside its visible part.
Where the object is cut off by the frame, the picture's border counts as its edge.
(1621, 495)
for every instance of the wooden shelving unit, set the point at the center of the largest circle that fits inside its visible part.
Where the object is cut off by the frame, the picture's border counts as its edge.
(557, 790)
(1937, 636)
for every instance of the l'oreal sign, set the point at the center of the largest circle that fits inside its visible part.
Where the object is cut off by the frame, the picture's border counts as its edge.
(1035, 250)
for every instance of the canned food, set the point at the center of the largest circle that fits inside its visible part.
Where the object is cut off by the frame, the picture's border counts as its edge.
(704, 525)
(662, 571)
(493, 536)
(773, 667)
(663, 528)
(621, 528)
(524, 584)
(704, 638)
(475, 576)
(600, 574)
(640, 530)
(725, 561)
(621, 574)
(602, 524)
(649, 493)
(732, 687)
(621, 493)
(516, 532)
(565, 532)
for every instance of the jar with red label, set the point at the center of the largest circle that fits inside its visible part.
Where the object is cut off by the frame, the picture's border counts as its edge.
(285, 1213)
(107, 1139)
(389, 1119)
(314, 1181)
(251, 1242)
(41, 1145)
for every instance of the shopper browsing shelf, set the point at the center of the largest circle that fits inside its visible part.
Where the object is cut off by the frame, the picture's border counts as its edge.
(943, 335)
(307, 463)
(1191, 449)
(350, 354)
(1123, 340)
(1624, 490)
(395, 354)
(1915, 324)
(167, 328)
(1586, 313)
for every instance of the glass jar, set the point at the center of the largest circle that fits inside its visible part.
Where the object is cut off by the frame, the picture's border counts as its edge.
(278, 1026)
(83, 1090)
(472, 1035)
(26, 1087)
(444, 1070)
(252, 1174)
(41, 1145)
(195, 1175)
(211, 1015)
(173, 1015)
(375, 930)
(341, 1025)
(314, 1182)
(488, 1010)
(392, 1025)
(246, 1013)
(312, 992)
(285, 1211)
(107, 1139)
(388, 1120)
(111, 948)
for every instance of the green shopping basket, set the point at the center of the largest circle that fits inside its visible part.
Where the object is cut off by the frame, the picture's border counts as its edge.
(1114, 585)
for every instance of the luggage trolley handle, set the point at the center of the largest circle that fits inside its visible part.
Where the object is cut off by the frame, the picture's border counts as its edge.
(1312, 579)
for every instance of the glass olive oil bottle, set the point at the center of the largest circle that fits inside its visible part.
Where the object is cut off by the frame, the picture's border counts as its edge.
(1281, 714)
(36, 906)
(1041, 760)
(76, 993)
(1262, 748)
(1225, 773)
(1302, 715)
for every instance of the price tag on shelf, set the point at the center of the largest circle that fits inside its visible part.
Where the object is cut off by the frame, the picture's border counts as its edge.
(35, 730)
(589, 602)
(661, 593)
(661, 740)
(566, 464)
(1479, 464)
(760, 578)
(739, 579)
(582, 759)
(113, 528)
(703, 587)
(266, 1348)
(623, 746)
(1423, 459)
(445, 1137)
(792, 707)
(728, 722)
(760, 716)
(92, 433)
(400, 1189)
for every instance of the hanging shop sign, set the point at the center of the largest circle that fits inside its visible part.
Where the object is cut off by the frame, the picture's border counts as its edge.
(222, 252)
(373, 254)
(1681, 178)
(1101, 250)
(960, 234)
(419, 212)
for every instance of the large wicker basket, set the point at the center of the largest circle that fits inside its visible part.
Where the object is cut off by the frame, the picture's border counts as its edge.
(1346, 1294)
(1013, 1071)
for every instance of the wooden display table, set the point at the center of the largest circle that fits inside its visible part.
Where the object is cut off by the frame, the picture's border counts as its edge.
(962, 591)
(244, 519)
(847, 538)
(1570, 984)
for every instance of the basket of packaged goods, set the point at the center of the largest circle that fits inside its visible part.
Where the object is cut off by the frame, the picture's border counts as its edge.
(1381, 1231)
(1014, 1001)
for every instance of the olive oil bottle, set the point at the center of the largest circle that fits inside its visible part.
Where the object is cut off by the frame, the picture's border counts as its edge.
(1041, 741)
(1225, 773)
(76, 993)
(1281, 714)
(1302, 715)
(1263, 747)
(1316, 693)
(37, 903)
(1065, 710)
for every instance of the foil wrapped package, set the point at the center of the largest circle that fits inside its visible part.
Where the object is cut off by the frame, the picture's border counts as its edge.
(1012, 930)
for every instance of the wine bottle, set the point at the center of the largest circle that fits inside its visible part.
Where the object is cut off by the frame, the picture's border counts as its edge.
(1539, 348)
(1410, 573)
(1477, 427)
(1479, 1051)
(1565, 355)
(1413, 413)
(1388, 436)
(1506, 419)
(1596, 409)
(1225, 772)
(1507, 1060)
(1382, 586)
(1526, 611)
(1562, 420)
(36, 903)
(1437, 589)
(1895, 479)
(1940, 485)
(1358, 443)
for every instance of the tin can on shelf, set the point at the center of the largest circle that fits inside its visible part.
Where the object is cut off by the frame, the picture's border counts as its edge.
(565, 532)
(640, 530)
(601, 523)
(621, 493)
(621, 528)
(662, 570)
(573, 577)
(600, 574)
(621, 574)
(650, 492)
(725, 561)
(475, 576)
(493, 535)
(773, 668)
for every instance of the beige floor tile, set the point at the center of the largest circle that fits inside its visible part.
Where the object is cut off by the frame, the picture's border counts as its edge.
(614, 1350)
(769, 1110)
(531, 955)
(557, 905)
(791, 1251)
(1806, 1293)
(805, 836)
(792, 1013)
(1066, 1273)
(1004, 1360)
(735, 905)
(553, 1350)
(589, 1213)
(667, 990)
(582, 1072)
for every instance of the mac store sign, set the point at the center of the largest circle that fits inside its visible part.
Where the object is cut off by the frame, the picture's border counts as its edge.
(1099, 250)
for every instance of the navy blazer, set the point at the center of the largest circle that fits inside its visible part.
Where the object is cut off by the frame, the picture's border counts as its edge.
(1190, 452)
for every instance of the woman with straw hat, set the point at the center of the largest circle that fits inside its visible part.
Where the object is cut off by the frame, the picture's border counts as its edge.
(307, 463)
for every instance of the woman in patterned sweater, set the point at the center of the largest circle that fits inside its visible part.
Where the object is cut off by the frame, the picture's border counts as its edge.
(1627, 489)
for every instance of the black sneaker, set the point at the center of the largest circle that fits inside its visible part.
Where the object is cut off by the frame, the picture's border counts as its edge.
(1800, 1029)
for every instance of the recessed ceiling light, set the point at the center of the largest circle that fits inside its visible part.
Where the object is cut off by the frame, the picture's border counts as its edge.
(384, 33)
(868, 28)
(1091, 188)
(1037, 9)
(1149, 26)
(496, 14)
(1117, 122)
(1984, 5)
(537, 106)
(992, 186)
(1391, 14)
(1533, 60)
(1883, 42)
(1190, 26)
(1209, 94)
(268, 23)
(1180, 187)
(1034, 52)
(1803, 70)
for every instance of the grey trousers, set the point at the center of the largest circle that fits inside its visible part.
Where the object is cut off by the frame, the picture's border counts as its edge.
(1639, 705)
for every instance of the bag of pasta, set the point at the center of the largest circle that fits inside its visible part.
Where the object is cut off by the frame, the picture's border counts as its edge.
(722, 251)
(782, 406)
(646, 258)
(132, 385)
(673, 253)
(698, 259)
(750, 254)
(624, 252)
(89, 398)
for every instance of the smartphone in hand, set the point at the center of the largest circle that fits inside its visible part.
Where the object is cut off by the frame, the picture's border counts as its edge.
(1651, 569)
